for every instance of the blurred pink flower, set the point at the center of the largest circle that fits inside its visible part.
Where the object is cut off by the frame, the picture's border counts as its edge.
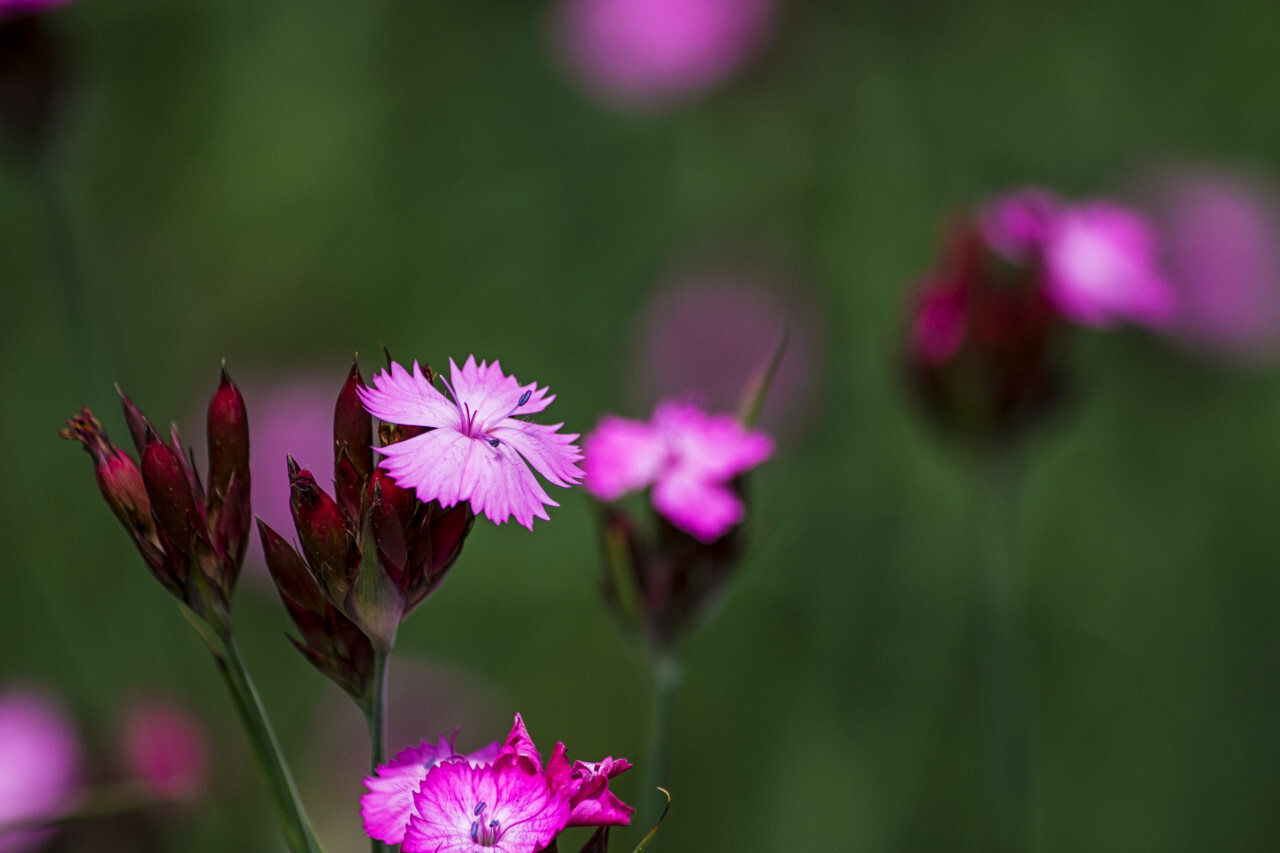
(166, 749)
(705, 334)
(476, 449)
(39, 766)
(1221, 238)
(938, 324)
(648, 53)
(1016, 225)
(17, 7)
(688, 456)
(1102, 267)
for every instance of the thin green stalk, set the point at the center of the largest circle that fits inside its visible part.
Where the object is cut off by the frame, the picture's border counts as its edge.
(1002, 664)
(666, 677)
(284, 794)
(375, 714)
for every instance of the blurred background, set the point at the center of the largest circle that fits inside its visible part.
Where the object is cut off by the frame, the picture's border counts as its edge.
(281, 186)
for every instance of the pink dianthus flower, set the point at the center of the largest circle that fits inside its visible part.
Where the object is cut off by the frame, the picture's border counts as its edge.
(476, 449)
(39, 767)
(431, 798)
(689, 458)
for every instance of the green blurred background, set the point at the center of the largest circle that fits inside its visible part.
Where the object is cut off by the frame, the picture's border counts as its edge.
(281, 184)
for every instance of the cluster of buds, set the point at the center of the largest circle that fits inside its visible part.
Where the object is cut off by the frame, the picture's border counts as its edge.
(192, 539)
(982, 353)
(370, 553)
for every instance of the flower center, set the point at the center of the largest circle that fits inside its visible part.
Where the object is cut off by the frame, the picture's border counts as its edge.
(467, 416)
(485, 833)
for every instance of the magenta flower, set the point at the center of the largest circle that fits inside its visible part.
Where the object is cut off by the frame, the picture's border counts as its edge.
(389, 806)
(39, 766)
(431, 798)
(687, 456)
(165, 748)
(1101, 267)
(476, 448)
(644, 53)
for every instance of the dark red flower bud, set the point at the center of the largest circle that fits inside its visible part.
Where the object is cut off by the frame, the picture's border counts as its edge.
(137, 421)
(436, 545)
(228, 423)
(390, 514)
(289, 571)
(330, 548)
(352, 443)
(174, 504)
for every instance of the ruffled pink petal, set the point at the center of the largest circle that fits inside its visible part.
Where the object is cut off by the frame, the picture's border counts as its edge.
(704, 509)
(519, 745)
(447, 466)
(710, 447)
(1017, 224)
(388, 806)
(590, 800)
(398, 397)
(552, 453)
(622, 455)
(454, 796)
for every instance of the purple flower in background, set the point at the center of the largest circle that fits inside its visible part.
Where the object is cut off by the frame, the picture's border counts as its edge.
(706, 333)
(1099, 260)
(430, 798)
(687, 456)
(18, 7)
(476, 448)
(39, 766)
(389, 805)
(165, 748)
(647, 53)
(1220, 233)
(1101, 267)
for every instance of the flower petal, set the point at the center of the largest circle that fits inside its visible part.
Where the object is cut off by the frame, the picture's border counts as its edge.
(622, 455)
(710, 447)
(520, 746)
(400, 398)
(552, 453)
(388, 806)
(705, 509)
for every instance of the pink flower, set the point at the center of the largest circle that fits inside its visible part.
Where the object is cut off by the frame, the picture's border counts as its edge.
(39, 766)
(389, 805)
(430, 798)
(476, 449)
(643, 53)
(938, 325)
(165, 749)
(1221, 239)
(1016, 225)
(1101, 267)
(686, 455)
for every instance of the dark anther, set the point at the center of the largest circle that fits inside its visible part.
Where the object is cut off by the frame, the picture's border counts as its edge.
(475, 829)
(524, 398)
(479, 808)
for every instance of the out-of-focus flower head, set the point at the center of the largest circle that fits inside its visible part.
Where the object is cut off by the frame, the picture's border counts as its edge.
(1220, 235)
(39, 767)
(476, 447)
(689, 457)
(706, 331)
(19, 7)
(645, 54)
(193, 539)
(984, 328)
(1099, 259)
(430, 797)
(166, 749)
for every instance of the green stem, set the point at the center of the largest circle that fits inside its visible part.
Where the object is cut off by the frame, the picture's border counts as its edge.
(284, 794)
(666, 677)
(375, 714)
(1002, 663)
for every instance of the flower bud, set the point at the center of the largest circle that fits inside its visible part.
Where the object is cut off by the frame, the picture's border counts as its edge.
(176, 510)
(329, 547)
(352, 443)
(228, 426)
